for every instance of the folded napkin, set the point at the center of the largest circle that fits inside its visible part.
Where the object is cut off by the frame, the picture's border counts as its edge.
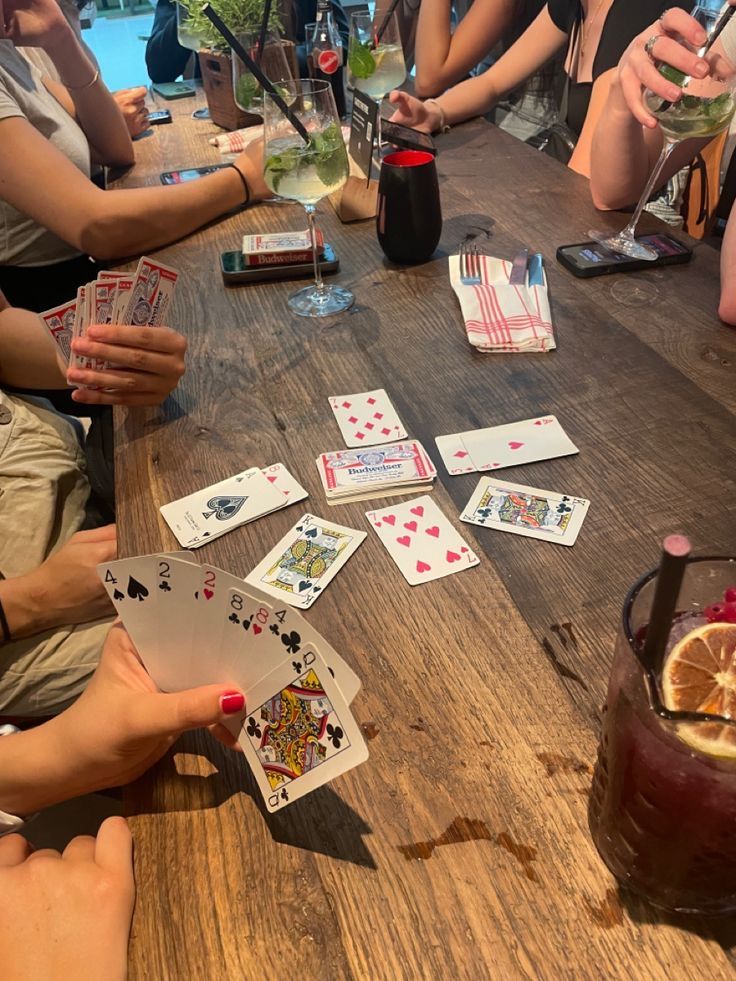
(238, 140)
(500, 317)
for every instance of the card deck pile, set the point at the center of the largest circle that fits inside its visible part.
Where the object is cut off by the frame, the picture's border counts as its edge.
(367, 418)
(505, 446)
(142, 299)
(307, 558)
(381, 471)
(421, 540)
(208, 514)
(526, 511)
(195, 625)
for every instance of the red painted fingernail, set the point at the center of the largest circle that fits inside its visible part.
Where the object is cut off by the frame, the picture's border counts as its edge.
(232, 702)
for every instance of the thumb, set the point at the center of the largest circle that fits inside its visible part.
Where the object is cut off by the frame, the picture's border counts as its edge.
(197, 707)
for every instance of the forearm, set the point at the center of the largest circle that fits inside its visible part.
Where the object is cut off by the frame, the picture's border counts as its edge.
(134, 221)
(28, 355)
(432, 46)
(727, 306)
(468, 99)
(94, 107)
(24, 610)
(35, 771)
(619, 155)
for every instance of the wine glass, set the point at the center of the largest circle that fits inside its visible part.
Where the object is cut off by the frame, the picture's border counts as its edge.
(704, 109)
(375, 57)
(247, 89)
(307, 172)
(188, 37)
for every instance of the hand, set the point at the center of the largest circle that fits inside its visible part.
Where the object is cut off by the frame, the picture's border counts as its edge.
(146, 364)
(132, 104)
(122, 724)
(679, 36)
(250, 164)
(65, 589)
(33, 23)
(411, 111)
(70, 914)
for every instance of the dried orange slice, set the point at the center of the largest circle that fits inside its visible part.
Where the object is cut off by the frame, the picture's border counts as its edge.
(700, 676)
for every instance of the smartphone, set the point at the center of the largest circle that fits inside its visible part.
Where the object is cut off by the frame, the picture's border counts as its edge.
(159, 117)
(191, 174)
(588, 259)
(173, 90)
(405, 137)
(234, 270)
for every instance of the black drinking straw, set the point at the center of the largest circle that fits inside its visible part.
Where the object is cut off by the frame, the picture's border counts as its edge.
(675, 552)
(384, 23)
(264, 27)
(254, 69)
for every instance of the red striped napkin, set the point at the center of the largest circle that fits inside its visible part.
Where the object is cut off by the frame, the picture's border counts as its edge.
(500, 317)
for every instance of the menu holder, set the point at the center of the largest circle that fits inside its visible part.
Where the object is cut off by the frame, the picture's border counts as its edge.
(357, 198)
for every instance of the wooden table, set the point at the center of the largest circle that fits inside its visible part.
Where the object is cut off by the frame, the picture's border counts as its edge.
(461, 848)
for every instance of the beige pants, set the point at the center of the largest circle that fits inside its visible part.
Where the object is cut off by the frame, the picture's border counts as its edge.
(43, 493)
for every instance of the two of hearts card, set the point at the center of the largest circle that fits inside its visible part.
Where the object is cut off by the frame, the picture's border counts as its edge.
(195, 625)
(141, 299)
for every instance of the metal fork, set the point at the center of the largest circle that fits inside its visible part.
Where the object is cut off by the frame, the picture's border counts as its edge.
(469, 265)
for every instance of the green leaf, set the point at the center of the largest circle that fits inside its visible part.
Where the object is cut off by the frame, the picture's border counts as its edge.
(672, 74)
(361, 62)
(279, 165)
(246, 90)
(331, 161)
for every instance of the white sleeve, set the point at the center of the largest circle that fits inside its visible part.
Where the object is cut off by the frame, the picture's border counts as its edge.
(728, 40)
(9, 822)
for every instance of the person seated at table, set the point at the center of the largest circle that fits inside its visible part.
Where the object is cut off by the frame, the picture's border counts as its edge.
(485, 29)
(166, 59)
(131, 102)
(56, 612)
(54, 217)
(594, 36)
(628, 139)
(68, 916)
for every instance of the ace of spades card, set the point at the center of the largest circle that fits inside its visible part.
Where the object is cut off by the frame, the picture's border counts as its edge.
(299, 732)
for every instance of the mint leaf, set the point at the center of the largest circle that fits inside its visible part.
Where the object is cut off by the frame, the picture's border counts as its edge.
(246, 90)
(279, 165)
(672, 74)
(332, 167)
(361, 62)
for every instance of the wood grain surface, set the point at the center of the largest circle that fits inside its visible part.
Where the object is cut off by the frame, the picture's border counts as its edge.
(461, 848)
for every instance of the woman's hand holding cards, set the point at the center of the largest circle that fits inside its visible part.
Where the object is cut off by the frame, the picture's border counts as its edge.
(143, 364)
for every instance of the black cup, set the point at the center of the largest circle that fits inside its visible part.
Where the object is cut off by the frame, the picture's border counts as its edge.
(409, 220)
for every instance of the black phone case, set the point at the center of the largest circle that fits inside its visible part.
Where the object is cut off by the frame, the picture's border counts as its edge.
(632, 266)
(235, 272)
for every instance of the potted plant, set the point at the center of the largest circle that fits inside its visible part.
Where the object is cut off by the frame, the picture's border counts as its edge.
(241, 16)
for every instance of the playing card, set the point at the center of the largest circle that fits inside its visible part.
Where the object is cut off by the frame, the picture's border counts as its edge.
(153, 289)
(177, 581)
(207, 514)
(111, 276)
(349, 471)
(59, 321)
(279, 476)
(103, 299)
(122, 297)
(256, 635)
(306, 559)
(517, 443)
(131, 586)
(526, 511)
(454, 454)
(206, 624)
(421, 540)
(299, 732)
(367, 418)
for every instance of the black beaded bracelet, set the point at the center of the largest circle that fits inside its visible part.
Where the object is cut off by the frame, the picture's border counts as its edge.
(241, 175)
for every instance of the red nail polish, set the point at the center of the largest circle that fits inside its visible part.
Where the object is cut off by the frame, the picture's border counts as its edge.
(232, 702)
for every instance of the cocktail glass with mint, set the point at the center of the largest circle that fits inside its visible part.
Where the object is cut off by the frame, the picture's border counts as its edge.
(247, 90)
(307, 170)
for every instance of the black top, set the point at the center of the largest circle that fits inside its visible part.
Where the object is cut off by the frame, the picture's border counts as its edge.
(624, 21)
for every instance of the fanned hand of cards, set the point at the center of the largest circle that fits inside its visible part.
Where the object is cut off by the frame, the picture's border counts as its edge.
(197, 625)
(142, 299)
(208, 514)
(378, 471)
